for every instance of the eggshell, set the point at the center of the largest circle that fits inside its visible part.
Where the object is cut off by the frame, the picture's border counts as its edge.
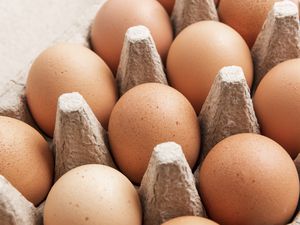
(277, 105)
(190, 220)
(67, 68)
(25, 159)
(168, 5)
(112, 22)
(246, 16)
(93, 194)
(145, 116)
(199, 52)
(249, 179)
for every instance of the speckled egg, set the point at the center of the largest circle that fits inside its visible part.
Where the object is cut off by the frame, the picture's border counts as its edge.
(65, 68)
(146, 116)
(93, 194)
(249, 179)
(25, 159)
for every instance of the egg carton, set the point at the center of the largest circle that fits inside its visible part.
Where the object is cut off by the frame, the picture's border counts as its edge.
(168, 188)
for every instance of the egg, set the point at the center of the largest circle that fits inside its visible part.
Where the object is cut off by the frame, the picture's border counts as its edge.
(197, 55)
(277, 105)
(190, 220)
(246, 16)
(65, 68)
(249, 179)
(93, 194)
(146, 116)
(168, 5)
(112, 21)
(25, 159)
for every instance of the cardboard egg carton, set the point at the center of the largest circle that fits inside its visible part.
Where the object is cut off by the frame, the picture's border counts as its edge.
(168, 188)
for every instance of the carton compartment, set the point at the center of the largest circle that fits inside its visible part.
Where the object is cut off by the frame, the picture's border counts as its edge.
(168, 188)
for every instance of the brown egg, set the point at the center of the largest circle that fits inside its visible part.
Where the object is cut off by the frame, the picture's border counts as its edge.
(246, 16)
(277, 105)
(249, 179)
(199, 52)
(168, 5)
(145, 116)
(93, 194)
(116, 16)
(190, 220)
(67, 68)
(25, 159)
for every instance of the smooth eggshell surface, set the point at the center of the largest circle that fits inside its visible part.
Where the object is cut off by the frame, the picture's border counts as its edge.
(146, 116)
(249, 179)
(67, 68)
(246, 16)
(277, 105)
(116, 16)
(199, 52)
(25, 159)
(93, 194)
(190, 220)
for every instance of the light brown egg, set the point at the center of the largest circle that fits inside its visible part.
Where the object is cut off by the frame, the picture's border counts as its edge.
(67, 68)
(93, 194)
(249, 179)
(168, 5)
(116, 16)
(277, 105)
(190, 220)
(25, 159)
(145, 116)
(246, 16)
(197, 55)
